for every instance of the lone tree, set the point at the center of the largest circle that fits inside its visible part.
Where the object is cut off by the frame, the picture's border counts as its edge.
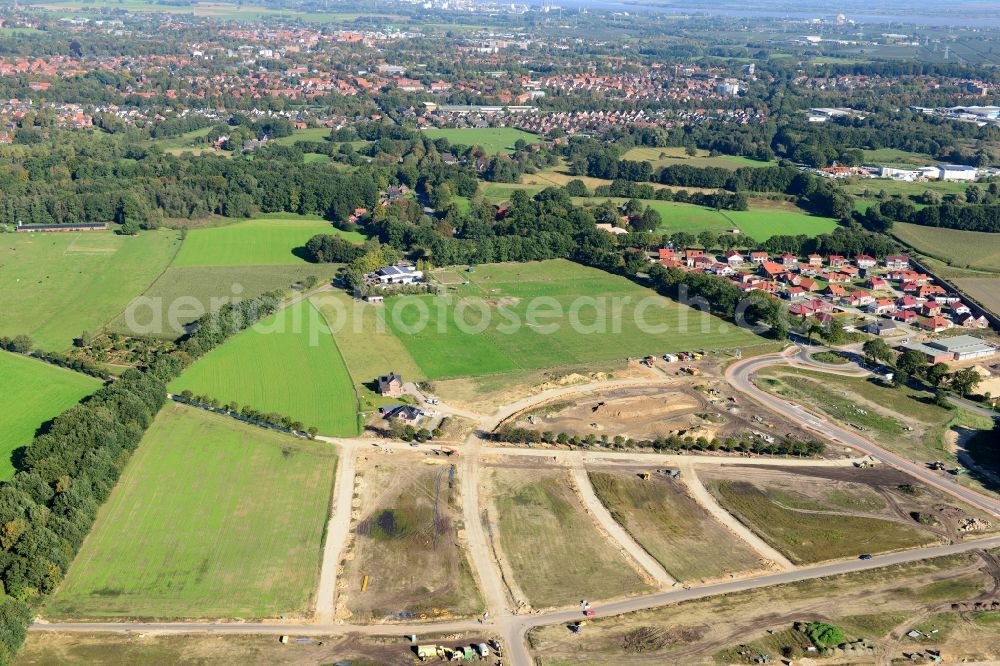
(911, 362)
(876, 350)
(965, 381)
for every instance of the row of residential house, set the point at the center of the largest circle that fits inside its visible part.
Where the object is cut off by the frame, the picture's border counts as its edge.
(817, 286)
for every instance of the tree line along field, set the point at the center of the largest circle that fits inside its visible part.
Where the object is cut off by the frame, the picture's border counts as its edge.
(31, 393)
(54, 286)
(491, 139)
(501, 337)
(211, 518)
(962, 249)
(287, 364)
(263, 241)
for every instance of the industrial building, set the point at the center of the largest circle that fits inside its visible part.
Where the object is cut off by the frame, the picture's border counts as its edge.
(958, 348)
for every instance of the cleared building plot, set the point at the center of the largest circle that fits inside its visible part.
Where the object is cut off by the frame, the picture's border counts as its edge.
(287, 364)
(55, 286)
(555, 551)
(211, 518)
(869, 604)
(406, 562)
(267, 240)
(672, 527)
(31, 393)
(816, 514)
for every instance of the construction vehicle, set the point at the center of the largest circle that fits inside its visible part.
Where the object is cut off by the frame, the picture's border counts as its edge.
(648, 361)
(937, 464)
(577, 626)
(447, 450)
(644, 476)
(425, 652)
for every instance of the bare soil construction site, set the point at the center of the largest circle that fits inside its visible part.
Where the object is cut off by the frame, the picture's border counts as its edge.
(406, 562)
(695, 407)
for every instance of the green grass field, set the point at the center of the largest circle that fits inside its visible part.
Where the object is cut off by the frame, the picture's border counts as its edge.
(500, 192)
(964, 249)
(901, 188)
(267, 240)
(307, 134)
(661, 157)
(894, 157)
(762, 221)
(181, 295)
(555, 550)
(287, 364)
(211, 518)
(54, 286)
(762, 224)
(491, 139)
(31, 393)
(367, 344)
(676, 216)
(593, 317)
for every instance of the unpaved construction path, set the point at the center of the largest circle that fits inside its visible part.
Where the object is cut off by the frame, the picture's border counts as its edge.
(707, 501)
(621, 538)
(337, 532)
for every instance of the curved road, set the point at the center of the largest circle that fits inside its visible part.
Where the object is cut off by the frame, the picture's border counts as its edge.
(739, 376)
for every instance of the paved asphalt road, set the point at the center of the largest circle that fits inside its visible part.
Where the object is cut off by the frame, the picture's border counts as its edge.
(739, 375)
(518, 651)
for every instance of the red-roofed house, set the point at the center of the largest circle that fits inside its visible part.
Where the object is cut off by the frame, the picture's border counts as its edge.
(770, 269)
(835, 290)
(882, 306)
(935, 324)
